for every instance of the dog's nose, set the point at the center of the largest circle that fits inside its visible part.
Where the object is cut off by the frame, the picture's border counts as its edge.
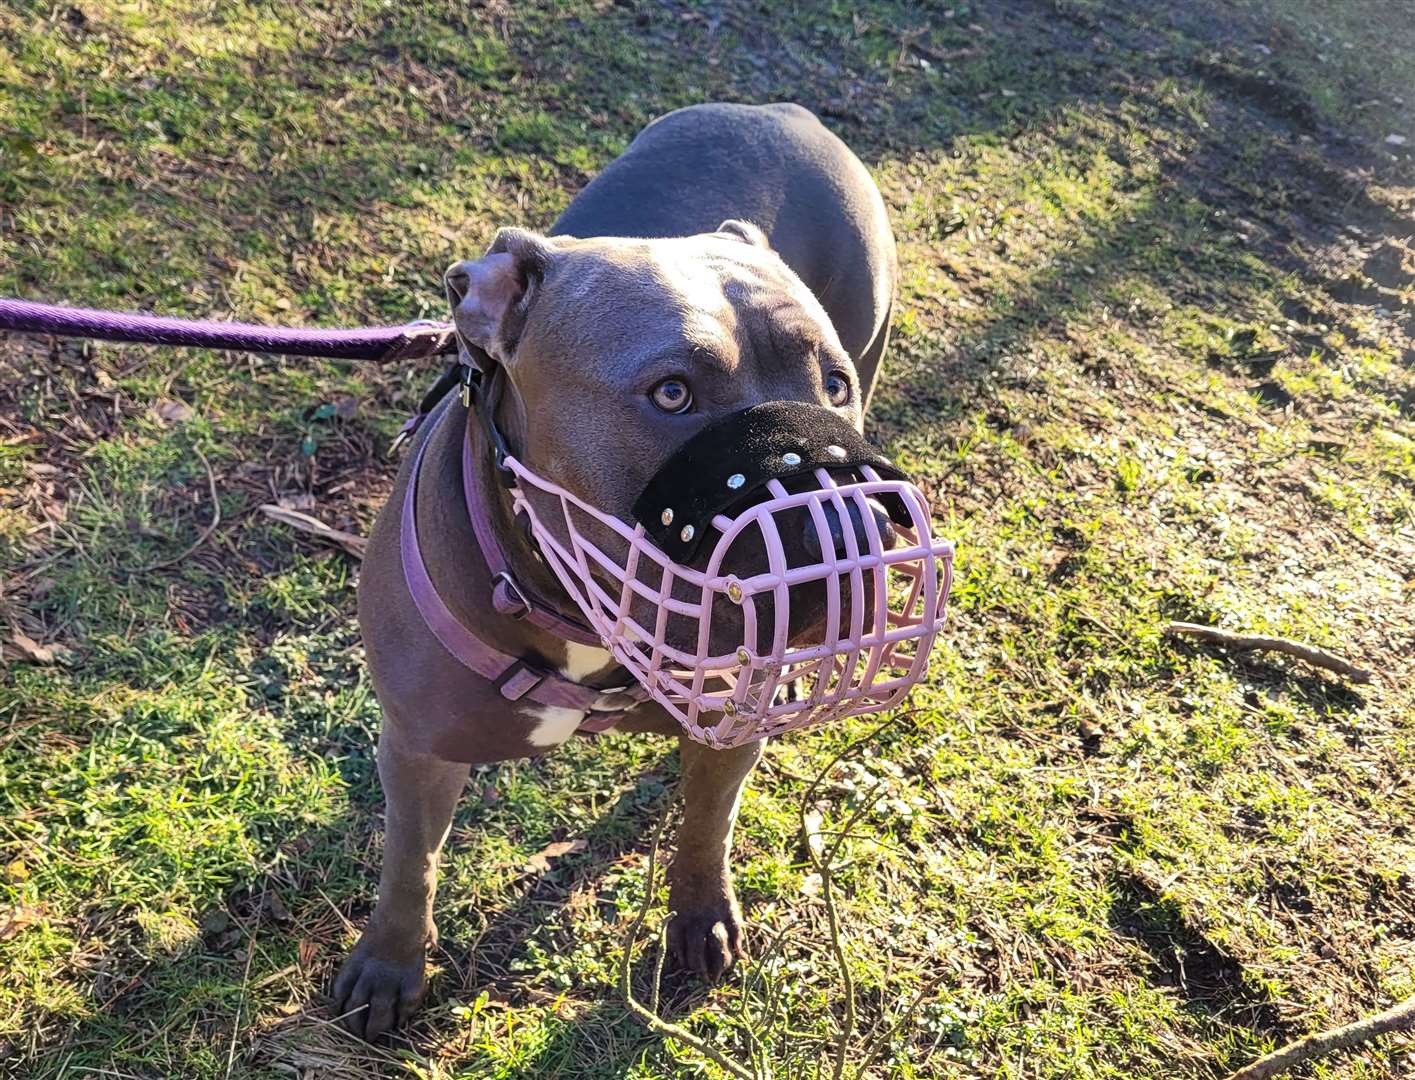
(458, 281)
(887, 536)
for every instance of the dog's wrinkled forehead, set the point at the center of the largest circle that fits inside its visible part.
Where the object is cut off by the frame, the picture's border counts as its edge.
(623, 302)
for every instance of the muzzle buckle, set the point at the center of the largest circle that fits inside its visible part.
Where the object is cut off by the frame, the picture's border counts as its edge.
(507, 598)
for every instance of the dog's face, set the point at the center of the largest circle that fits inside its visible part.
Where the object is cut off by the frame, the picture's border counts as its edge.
(617, 351)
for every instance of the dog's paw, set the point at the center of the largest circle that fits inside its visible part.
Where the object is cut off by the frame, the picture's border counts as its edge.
(707, 940)
(373, 994)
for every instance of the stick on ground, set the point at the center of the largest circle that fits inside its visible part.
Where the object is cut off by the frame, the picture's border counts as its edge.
(1396, 1018)
(651, 1019)
(354, 545)
(1310, 653)
(205, 534)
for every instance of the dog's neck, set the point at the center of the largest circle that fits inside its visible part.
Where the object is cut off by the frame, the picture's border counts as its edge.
(534, 578)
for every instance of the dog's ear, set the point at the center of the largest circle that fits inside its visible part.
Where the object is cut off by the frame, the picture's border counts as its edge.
(491, 296)
(744, 231)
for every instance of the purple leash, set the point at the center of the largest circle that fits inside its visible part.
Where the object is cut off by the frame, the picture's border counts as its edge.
(414, 340)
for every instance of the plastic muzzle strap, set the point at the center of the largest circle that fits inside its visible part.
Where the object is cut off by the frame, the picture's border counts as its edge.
(781, 573)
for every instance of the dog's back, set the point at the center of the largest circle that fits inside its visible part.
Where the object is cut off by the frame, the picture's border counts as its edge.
(778, 167)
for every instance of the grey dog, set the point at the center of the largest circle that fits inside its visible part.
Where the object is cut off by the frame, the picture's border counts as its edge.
(732, 255)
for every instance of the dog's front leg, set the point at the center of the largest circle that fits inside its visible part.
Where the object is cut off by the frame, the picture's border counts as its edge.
(383, 979)
(706, 934)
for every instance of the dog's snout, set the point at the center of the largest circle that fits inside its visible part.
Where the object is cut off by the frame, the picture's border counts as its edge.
(883, 525)
(458, 281)
(887, 536)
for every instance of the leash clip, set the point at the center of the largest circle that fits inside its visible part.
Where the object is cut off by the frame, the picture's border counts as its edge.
(406, 432)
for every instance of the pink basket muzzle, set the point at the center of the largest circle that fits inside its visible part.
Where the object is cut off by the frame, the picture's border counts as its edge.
(811, 604)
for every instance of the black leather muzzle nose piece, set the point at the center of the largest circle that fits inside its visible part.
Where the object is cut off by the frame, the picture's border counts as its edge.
(726, 466)
(811, 540)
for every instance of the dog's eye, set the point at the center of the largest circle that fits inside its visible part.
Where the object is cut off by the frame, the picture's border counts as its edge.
(672, 396)
(837, 388)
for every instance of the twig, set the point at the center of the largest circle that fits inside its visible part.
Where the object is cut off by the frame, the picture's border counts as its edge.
(245, 978)
(354, 545)
(204, 535)
(1396, 1018)
(1310, 653)
(651, 1019)
(881, 1042)
(658, 964)
(822, 863)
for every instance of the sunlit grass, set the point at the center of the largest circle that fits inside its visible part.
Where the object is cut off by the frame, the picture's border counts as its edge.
(1099, 853)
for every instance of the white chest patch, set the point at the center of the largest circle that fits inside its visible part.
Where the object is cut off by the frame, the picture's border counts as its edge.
(554, 724)
(582, 661)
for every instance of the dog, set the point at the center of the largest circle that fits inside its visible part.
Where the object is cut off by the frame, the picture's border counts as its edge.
(734, 255)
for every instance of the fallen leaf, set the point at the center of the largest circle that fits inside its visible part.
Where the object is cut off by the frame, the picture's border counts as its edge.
(173, 412)
(30, 649)
(17, 870)
(1395, 140)
(539, 863)
(1091, 733)
(275, 907)
(308, 950)
(16, 919)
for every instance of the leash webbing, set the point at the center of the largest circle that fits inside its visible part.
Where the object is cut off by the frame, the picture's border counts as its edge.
(411, 341)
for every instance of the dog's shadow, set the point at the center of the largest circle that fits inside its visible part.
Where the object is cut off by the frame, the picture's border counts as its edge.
(492, 954)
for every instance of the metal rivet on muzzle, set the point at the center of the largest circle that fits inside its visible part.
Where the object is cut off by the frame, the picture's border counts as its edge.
(791, 458)
(734, 591)
(736, 480)
(667, 516)
(729, 707)
(686, 534)
(743, 656)
(837, 452)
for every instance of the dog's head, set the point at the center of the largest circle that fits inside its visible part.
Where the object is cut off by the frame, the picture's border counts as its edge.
(617, 351)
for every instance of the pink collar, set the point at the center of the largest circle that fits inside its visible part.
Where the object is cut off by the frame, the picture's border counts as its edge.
(511, 675)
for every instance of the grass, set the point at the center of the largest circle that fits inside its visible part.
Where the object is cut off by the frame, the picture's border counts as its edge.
(1152, 361)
